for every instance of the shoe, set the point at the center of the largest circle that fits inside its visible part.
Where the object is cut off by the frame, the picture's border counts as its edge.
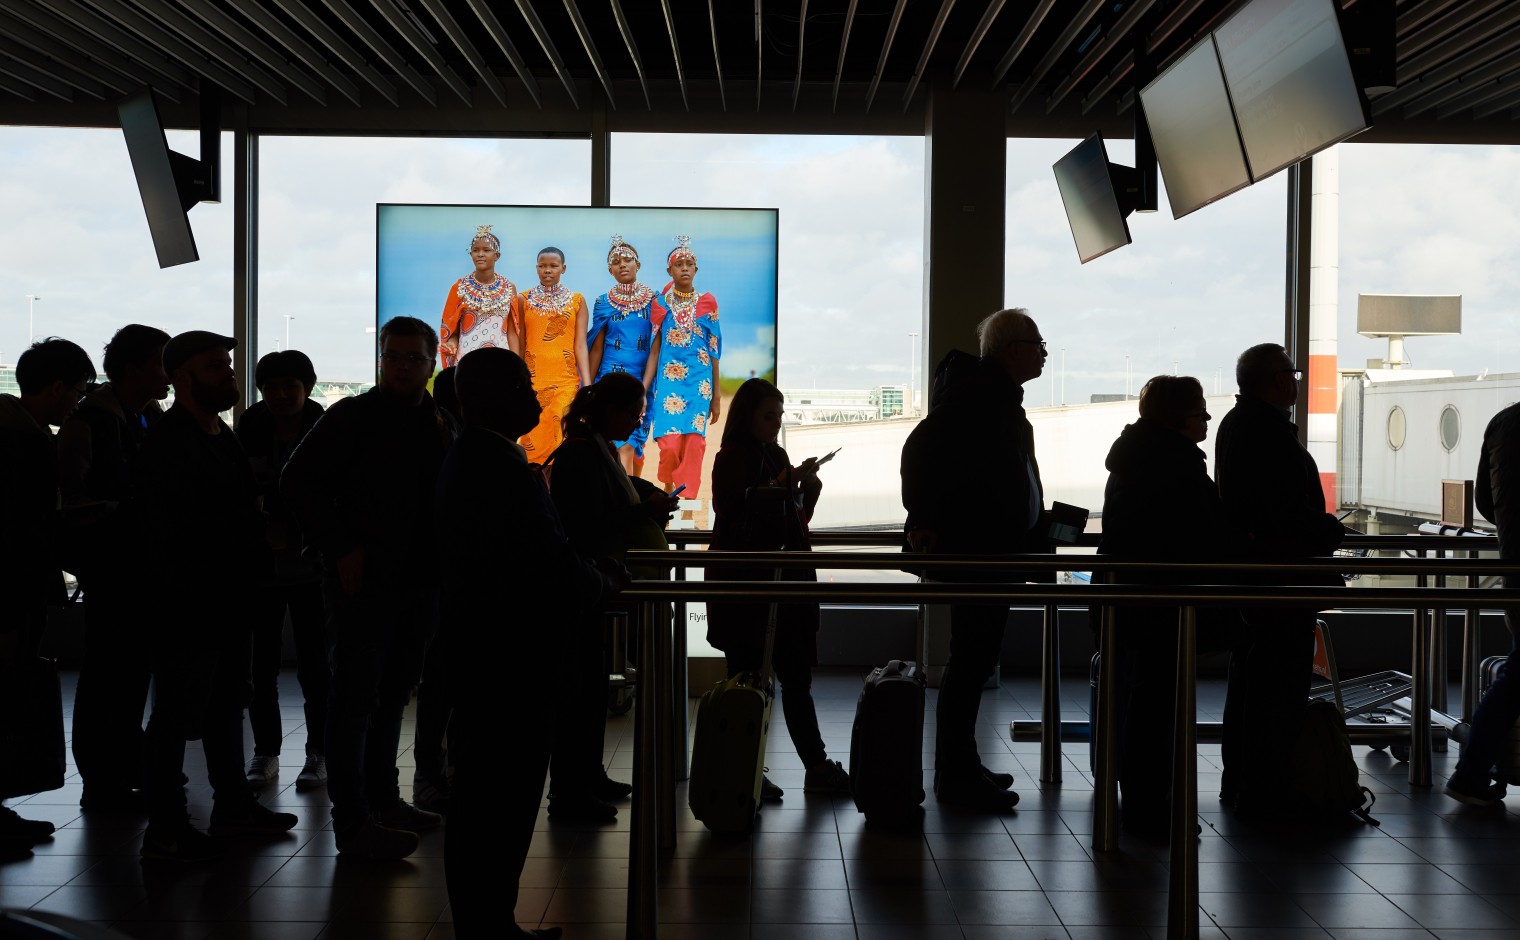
(263, 770)
(973, 792)
(585, 808)
(369, 840)
(181, 843)
(997, 778)
(250, 817)
(610, 791)
(314, 774)
(1474, 793)
(14, 828)
(769, 792)
(96, 800)
(403, 815)
(430, 795)
(828, 776)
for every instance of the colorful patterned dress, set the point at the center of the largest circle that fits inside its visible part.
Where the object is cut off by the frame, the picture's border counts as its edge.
(476, 316)
(684, 384)
(629, 319)
(548, 334)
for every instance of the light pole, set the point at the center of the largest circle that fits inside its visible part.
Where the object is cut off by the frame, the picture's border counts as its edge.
(912, 402)
(1063, 376)
(288, 318)
(1126, 378)
(31, 332)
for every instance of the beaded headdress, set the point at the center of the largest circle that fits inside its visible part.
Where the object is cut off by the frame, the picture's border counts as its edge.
(681, 250)
(621, 249)
(484, 232)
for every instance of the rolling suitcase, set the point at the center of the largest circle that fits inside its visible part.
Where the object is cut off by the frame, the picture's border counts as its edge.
(887, 743)
(728, 747)
(1507, 767)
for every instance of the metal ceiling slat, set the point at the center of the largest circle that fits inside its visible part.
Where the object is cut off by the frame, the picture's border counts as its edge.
(1413, 45)
(16, 68)
(994, 7)
(371, 37)
(1417, 14)
(508, 48)
(929, 43)
(297, 46)
(40, 42)
(461, 41)
(675, 50)
(336, 44)
(886, 49)
(1500, 87)
(149, 31)
(248, 42)
(759, 55)
(1413, 86)
(424, 47)
(712, 19)
(546, 43)
(20, 89)
(67, 21)
(1466, 82)
(1462, 41)
(801, 47)
(589, 45)
(1021, 42)
(1503, 103)
(52, 68)
(1054, 52)
(844, 45)
(1118, 33)
(1115, 75)
(239, 60)
(1174, 20)
(626, 31)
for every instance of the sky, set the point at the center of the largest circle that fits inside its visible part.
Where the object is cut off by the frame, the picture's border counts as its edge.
(1188, 294)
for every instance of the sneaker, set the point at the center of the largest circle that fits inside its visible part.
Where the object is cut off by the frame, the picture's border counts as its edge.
(263, 770)
(369, 840)
(250, 817)
(769, 792)
(828, 776)
(314, 774)
(430, 794)
(973, 792)
(181, 843)
(14, 828)
(584, 808)
(998, 779)
(1474, 793)
(610, 791)
(403, 815)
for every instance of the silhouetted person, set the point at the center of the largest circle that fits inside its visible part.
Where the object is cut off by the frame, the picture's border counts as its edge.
(361, 485)
(97, 446)
(1270, 488)
(270, 430)
(1498, 498)
(430, 776)
(971, 485)
(503, 664)
(195, 496)
(53, 376)
(1159, 505)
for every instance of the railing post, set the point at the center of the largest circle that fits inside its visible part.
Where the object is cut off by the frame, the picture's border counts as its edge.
(680, 687)
(1182, 882)
(643, 836)
(1106, 742)
(1438, 691)
(1472, 650)
(666, 772)
(1050, 698)
(1419, 717)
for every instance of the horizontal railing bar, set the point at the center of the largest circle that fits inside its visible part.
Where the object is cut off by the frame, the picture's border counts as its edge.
(894, 537)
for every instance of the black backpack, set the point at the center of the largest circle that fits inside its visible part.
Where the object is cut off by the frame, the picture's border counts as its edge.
(1324, 777)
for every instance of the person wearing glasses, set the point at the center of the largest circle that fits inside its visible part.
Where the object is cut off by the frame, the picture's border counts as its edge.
(971, 485)
(1270, 488)
(361, 486)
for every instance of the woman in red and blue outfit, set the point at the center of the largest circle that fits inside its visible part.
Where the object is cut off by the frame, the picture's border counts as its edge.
(686, 395)
(625, 337)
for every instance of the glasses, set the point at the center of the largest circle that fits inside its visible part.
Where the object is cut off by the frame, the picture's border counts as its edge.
(1296, 373)
(1035, 342)
(411, 359)
(1199, 414)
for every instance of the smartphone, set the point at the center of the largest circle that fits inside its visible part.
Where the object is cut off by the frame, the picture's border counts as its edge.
(829, 456)
(677, 490)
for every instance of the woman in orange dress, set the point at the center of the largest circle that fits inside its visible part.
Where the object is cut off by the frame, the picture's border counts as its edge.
(553, 343)
(482, 307)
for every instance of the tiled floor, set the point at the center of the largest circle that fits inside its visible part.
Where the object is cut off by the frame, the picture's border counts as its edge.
(813, 870)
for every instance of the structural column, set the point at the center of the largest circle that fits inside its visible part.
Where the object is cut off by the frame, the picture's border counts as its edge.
(1324, 297)
(245, 253)
(965, 170)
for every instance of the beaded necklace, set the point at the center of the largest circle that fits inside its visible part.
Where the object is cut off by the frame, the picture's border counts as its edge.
(487, 298)
(630, 297)
(549, 299)
(684, 306)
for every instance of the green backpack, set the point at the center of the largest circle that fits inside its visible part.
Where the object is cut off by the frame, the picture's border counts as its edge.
(1324, 777)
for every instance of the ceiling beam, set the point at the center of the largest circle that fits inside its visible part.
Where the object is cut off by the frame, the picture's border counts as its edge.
(1464, 84)
(1021, 42)
(461, 41)
(336, 44)
(39, 42)
(243, 82)
(886, 50)
(508, 48)
(712, 20)
(589, 45)
(994, 7)
(1502, 103)
(1463, 43)
(139, 69)
(1503, 87)
(801, 36)
(844, 45)
(16, 68)
(290, 41)
(52, 68)
(1109, 82)
(760, 55)
(1414, 86)
(424, 46)
(1056, 49)
(371, 37)
(541, 33)
(923, 59)
(1413, 44)
(675, 50)
(626, 31)
(1174, 20)
(1118, 33)
(1419, 12)
(248, 43)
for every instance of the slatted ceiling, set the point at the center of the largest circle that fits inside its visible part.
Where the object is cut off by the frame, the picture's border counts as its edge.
(1458, 60)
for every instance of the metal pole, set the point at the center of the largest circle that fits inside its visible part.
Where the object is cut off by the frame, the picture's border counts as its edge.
(680, 687)
(1182, 882)
(1472, 651)
(1419, 712)
(1050, 698)
(643, 836)
(666, 783)
(1106, 773)
(1438, 691)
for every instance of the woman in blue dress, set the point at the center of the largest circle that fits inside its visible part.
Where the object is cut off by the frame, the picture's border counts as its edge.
(687, 399)
(625, 337)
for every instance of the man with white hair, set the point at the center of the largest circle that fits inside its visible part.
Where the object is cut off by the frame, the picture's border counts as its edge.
(971, 485)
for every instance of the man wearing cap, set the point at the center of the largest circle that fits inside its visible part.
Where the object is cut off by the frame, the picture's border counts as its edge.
(195, 498)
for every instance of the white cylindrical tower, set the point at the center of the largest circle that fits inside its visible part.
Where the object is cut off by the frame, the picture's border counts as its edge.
(1324, 293)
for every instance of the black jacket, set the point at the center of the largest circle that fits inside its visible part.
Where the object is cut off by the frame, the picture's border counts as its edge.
(96, 447)
(592, 503)
(30, 575)
(256, 432)
(1159, 503)
(1499, 474)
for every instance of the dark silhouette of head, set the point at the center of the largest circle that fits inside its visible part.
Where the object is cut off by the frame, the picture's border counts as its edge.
(496, 392)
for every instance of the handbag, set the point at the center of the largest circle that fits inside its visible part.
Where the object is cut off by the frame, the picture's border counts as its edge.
(32, 750)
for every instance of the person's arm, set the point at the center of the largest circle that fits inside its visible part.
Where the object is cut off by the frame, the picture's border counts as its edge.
(75, 443)
(516, 323)
(653, 362)
(583, 365)
(923, 483)
(715, 410)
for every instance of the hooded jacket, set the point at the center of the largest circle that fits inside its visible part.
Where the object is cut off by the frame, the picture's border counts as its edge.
(1498, 474)
(30, 576)
(1159, 503)
(256, 432)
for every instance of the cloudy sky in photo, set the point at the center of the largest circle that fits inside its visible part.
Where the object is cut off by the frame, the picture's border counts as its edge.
(1189, 294)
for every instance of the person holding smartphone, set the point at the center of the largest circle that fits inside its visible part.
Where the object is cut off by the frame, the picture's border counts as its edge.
(763, 503)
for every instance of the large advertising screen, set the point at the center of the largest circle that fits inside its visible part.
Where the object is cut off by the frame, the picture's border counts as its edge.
(615, 277)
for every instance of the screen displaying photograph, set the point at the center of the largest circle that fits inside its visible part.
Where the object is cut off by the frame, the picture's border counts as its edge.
(682, 299)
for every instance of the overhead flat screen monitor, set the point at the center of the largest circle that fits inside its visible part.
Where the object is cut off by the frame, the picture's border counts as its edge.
(1193, 129)
(153, 163)
(1091, 197)
(425, 269)
(1290, 80)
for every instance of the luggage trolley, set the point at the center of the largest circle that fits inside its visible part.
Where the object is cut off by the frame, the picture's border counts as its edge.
(1372, 698)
